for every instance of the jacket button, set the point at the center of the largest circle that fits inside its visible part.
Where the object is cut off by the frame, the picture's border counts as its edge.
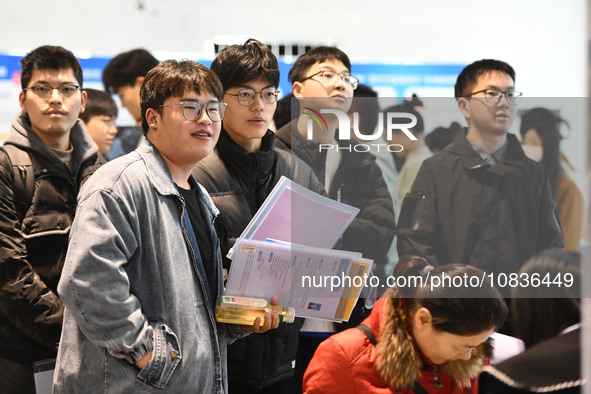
(173, 355)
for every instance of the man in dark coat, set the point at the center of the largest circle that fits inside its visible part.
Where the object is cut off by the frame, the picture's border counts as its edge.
(34, 228)
(239, 175)
(481, 201)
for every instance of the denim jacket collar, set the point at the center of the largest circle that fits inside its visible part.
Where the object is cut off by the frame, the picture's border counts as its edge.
(161, 177)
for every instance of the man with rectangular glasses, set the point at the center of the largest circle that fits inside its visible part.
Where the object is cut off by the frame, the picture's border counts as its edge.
(43, 163)
(321, 80)
(481, 201)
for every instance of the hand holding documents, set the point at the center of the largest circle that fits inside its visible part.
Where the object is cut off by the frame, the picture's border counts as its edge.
(285, 251)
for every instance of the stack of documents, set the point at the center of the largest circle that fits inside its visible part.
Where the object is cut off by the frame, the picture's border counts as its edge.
(286, 252)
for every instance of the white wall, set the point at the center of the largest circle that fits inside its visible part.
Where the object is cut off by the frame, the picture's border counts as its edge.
(545, 41)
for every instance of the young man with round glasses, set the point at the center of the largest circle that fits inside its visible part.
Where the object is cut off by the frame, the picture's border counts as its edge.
(143, 270)
(239, 176)
(37, 206)
(481, 200)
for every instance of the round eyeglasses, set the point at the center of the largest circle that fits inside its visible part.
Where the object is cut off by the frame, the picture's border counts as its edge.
(494, 96)
(192, 110)
(44, 91)
(329, 77)
(246, 96)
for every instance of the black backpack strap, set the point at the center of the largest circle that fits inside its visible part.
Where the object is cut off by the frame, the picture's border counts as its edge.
(24, 178)
(368, 333)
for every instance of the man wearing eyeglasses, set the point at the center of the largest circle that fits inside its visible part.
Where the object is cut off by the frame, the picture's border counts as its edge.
(481, 201)
(143, 271)
(239, 176)
(37, 204)
(321, 79)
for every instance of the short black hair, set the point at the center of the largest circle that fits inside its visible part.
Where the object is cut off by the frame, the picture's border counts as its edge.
(237, 64)
(52, 58)
(365, 103)
(98, 103)
(470, 74)
(126, 67)
(441, 136)
(283, 112)
(174, 78)
(408, 106)
(316, 55)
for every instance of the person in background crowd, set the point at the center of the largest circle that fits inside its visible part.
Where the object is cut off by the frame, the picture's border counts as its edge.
(481, 200)
(239, 176)
(143, 270)
(283, 112)
(441, 137)
(548, 320)
(99, 118)
(418, 339)
(36, 212)
(540, 136)
(124, 75)
(414, 152)
(367, 107)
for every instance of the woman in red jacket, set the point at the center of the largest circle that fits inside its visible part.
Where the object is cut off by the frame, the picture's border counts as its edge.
(430, 334)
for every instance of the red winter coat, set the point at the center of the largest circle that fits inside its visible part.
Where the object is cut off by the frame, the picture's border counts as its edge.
(345, 362)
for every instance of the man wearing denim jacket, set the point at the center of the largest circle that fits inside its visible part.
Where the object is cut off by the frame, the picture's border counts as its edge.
(143, 269)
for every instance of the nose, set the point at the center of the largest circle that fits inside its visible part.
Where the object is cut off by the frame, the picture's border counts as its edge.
(55, 96)
(340, 82)
(257, 104)
(465, 355)
(112, 129)
(503, 100)
(203, 117)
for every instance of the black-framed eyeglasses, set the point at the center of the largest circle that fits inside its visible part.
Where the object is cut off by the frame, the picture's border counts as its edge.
(192, 110)
(44, 91)
(246, 96)
(494, 96)
(328, 77)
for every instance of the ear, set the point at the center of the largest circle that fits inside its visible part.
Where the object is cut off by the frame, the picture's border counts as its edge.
(153, 118)
(139, 81)
(422, 319)
(296, 89)
(22, 98)
(464, 106)
(83, 101)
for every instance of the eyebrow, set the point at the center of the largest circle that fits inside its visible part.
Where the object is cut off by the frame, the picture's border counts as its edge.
(495, 87)
(194, 100)
(329, 68)
(47, 83)
(245, 86)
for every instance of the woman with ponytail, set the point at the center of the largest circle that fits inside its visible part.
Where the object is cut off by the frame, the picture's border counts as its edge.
(429, 334)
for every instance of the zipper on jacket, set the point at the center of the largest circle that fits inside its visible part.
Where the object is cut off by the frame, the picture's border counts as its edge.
(203, 288)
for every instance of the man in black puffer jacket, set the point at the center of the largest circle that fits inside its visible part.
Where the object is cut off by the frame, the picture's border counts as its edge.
(239, 175)
(33, 242)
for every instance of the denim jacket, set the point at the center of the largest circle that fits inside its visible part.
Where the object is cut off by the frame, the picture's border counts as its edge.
(132, 282)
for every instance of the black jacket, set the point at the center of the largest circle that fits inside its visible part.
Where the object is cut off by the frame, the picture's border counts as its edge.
(552, 366)
(238, 182)
(357, 182)
(33, 248)
(462, 210)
